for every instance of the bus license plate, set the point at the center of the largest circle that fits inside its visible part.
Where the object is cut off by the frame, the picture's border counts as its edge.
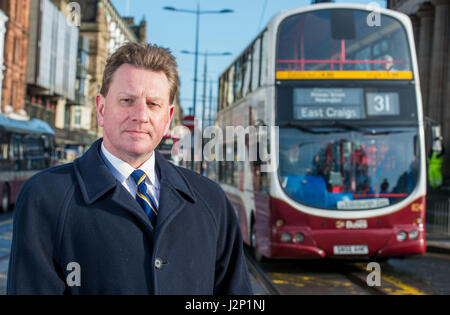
(351, 250)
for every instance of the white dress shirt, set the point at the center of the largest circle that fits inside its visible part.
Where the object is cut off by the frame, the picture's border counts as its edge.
(122, 172)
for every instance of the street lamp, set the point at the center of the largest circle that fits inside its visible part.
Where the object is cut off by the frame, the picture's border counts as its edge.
(197, 12)
(206, 54)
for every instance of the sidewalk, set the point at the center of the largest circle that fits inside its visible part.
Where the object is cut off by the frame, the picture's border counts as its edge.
(438, 246)
(438, 221)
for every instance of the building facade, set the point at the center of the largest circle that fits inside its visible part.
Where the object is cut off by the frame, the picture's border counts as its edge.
(15, 58)
(3, 20)
(51, 71)
(106, 31)
(431, 24)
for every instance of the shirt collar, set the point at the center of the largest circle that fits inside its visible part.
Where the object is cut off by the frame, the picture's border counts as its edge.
(122, 170)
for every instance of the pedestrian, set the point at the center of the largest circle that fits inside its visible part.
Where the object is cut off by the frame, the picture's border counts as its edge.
(121, 219)
(435, 162)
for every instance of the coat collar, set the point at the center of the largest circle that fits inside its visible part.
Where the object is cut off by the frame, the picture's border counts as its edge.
(96, 180)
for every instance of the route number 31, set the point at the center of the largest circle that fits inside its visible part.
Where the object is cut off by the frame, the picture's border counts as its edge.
(379, 104)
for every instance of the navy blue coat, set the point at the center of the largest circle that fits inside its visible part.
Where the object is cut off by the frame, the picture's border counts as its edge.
(80, 213)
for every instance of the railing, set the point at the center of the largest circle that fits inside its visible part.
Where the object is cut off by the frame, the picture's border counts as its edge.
(437, 217)
(41, 112)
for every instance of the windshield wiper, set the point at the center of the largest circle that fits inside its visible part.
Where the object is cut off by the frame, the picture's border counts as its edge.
(298, 126)
(347, 126)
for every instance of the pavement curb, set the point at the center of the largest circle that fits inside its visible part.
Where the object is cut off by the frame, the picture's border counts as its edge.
(438, 249)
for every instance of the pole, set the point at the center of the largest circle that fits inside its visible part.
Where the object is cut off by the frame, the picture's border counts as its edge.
(210, 119)
(195, 73)
(204, 91)
(204, 106)
(196, 55)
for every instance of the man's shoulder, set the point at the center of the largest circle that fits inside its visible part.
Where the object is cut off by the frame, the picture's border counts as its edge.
(196, 180)
(54, 178)
(200, 185)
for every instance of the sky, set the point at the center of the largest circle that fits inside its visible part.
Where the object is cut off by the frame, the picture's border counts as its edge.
(218, 33)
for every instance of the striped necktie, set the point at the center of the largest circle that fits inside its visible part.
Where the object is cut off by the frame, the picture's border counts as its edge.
(143, 197)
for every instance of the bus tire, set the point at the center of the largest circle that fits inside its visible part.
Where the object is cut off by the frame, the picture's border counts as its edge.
(5, 198)
(258, 257)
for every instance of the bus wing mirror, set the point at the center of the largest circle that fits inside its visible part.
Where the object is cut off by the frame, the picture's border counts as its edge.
(342, 24)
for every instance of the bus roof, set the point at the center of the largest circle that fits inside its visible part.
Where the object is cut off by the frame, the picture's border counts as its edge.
(278, 17)
(23, 126)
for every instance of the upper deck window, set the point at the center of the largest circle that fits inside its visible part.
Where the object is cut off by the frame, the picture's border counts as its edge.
(341, 40)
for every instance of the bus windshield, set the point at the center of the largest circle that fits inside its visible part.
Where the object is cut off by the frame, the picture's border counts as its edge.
(341, 40)
(349, 169)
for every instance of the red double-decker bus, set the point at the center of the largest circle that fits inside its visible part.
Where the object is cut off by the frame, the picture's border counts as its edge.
(26, 147)
(341, 83)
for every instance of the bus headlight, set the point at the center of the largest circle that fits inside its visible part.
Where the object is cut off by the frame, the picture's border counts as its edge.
(286, 237)
(418, 221)
(414, 234)
(401, 236)
(299, 238)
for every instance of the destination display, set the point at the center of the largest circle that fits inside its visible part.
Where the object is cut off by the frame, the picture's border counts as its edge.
(328, 103)
(382, 104)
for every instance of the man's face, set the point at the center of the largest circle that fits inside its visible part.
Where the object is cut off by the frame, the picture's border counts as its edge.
(135, 114)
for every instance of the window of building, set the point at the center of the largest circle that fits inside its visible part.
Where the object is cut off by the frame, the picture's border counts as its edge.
(16, 52)
(77, 117)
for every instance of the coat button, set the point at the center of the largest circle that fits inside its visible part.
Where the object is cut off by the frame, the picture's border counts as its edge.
(158, 263)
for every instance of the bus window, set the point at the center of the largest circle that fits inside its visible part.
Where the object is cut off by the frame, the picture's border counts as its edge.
(4, 148)
(256, 64)
(339, 169)
(247, 73)
(238, 80)
(264, 59)
(4, 152)
(17, 153)
(309, 42)
(221, 92)
(166, 145)
(229, 88)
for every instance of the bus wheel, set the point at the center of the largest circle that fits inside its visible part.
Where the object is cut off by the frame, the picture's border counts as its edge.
(258, 257)
(5, 198)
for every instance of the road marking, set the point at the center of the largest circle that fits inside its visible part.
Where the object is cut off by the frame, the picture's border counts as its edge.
(301, 281)
(403, 288)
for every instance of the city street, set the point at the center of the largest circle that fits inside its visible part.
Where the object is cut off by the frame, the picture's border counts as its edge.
(5, 247)
(427, 274)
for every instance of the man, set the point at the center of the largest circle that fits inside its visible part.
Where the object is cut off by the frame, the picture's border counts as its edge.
(121, 219)
(389, 64)
(435, 161)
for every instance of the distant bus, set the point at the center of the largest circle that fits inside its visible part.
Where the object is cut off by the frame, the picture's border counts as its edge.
(165, 146)
(341, 82)
(26, 147)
